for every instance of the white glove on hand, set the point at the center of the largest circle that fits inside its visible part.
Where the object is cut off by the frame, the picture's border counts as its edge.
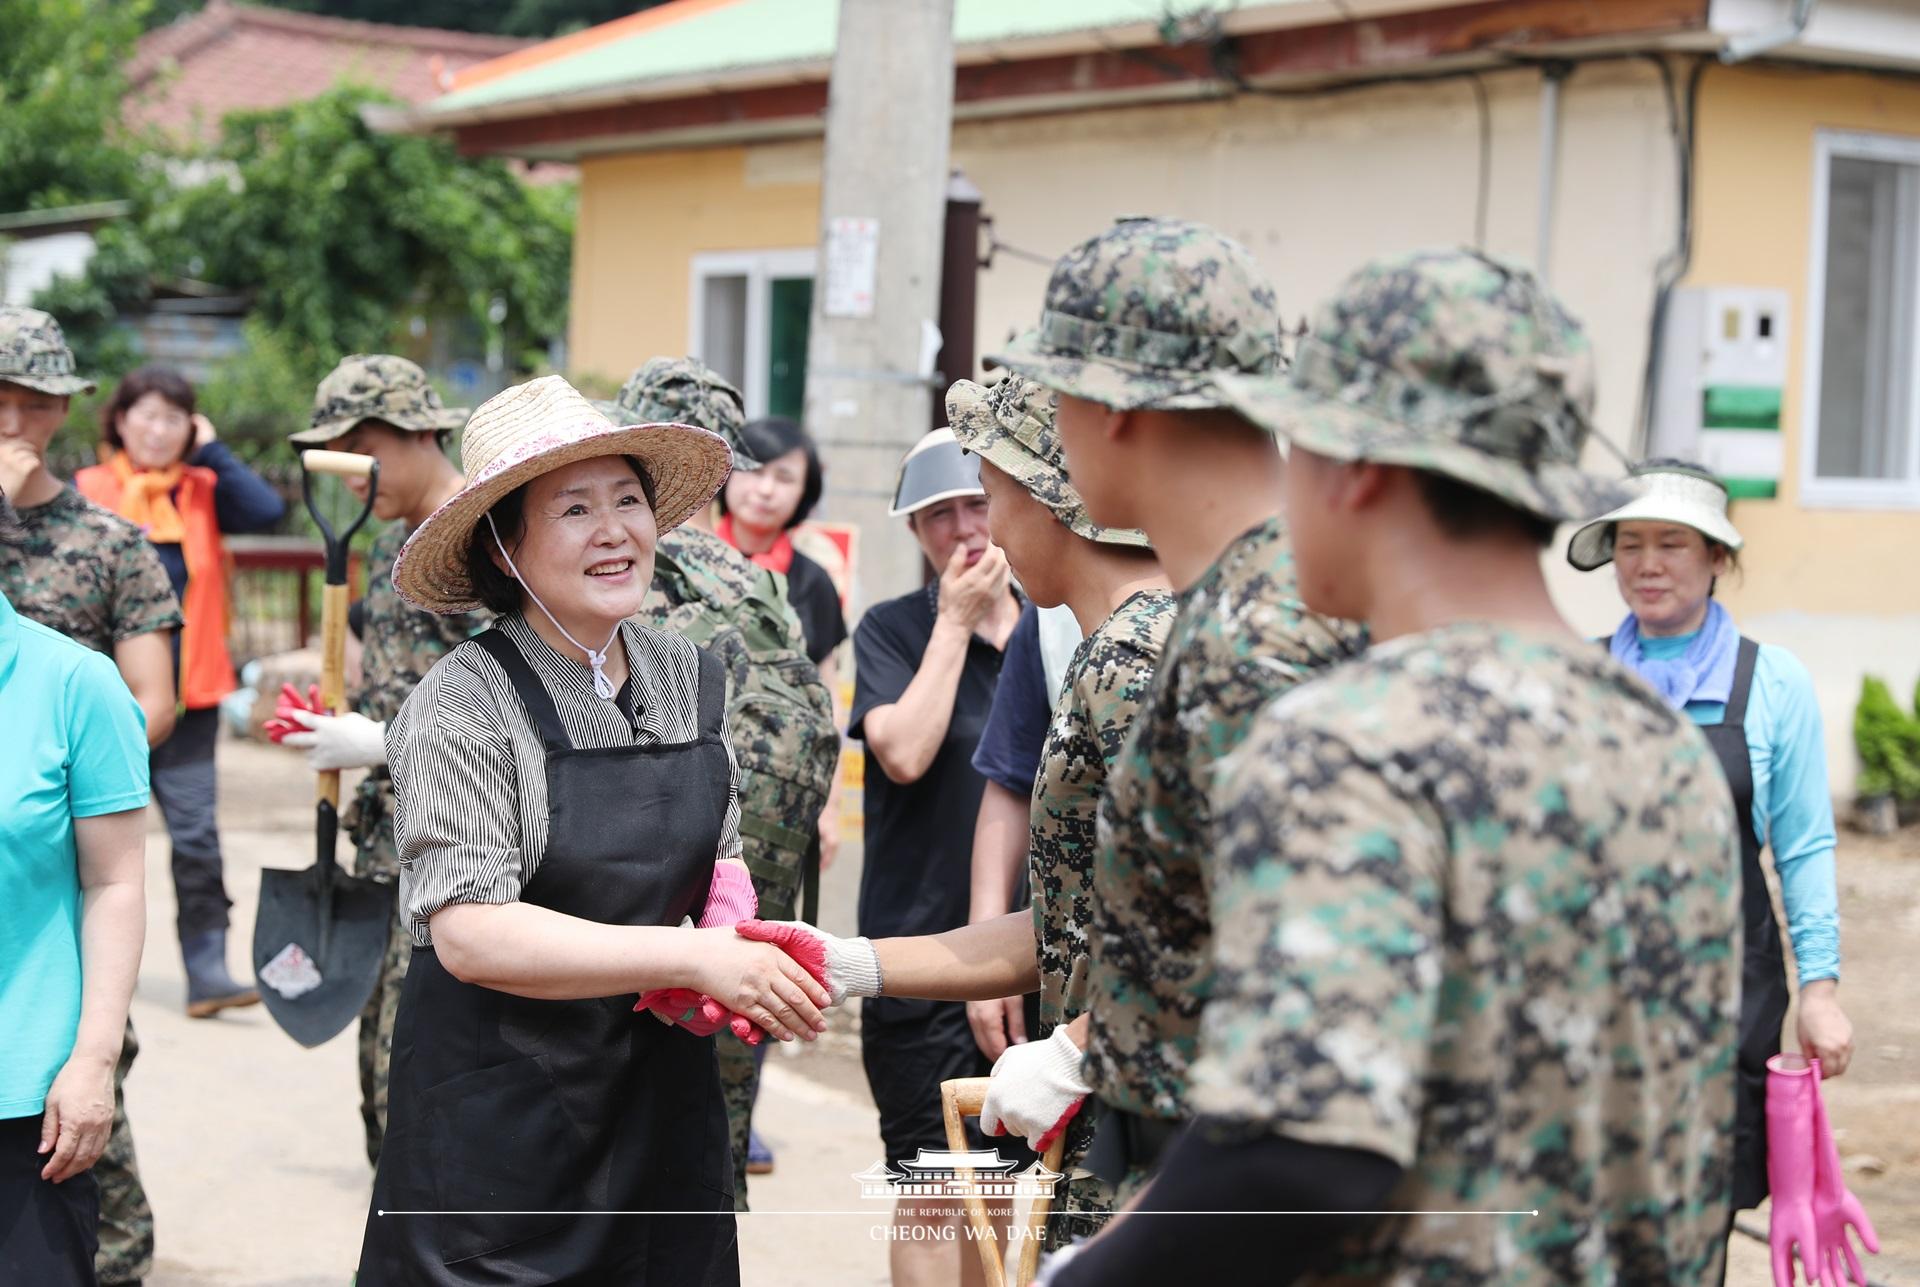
(1036, 1090)
(1052, 1265)
(845, 967)
(350, 741)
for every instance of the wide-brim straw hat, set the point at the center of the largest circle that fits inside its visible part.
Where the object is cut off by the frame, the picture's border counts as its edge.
(533, 429)
(1668, 494)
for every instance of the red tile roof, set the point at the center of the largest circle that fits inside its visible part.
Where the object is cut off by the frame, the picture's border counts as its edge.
(189, 74)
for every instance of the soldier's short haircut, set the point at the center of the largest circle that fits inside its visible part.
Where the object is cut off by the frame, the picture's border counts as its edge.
(1465, 512)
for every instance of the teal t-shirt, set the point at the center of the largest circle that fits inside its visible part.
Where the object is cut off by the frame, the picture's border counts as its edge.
(76, 747)
(1792, 806)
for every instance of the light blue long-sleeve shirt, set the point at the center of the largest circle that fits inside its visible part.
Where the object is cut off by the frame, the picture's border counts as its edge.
(1792, 809)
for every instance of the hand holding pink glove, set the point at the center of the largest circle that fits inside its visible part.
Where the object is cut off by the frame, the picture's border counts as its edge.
(730, 899)
(1835, 1210)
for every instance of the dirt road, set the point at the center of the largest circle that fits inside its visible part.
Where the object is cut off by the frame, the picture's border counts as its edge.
(251, 1146)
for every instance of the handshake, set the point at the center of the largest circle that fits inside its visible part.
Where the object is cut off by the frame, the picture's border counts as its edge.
(843, 967)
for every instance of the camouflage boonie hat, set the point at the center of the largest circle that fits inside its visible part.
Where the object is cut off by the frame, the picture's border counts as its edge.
(1011, 424)
(1144, 316)
(34, 353)
(377, 386)
(1449, 361)
(686, 391)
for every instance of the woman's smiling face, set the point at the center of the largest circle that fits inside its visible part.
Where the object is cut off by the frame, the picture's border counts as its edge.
(586, 543)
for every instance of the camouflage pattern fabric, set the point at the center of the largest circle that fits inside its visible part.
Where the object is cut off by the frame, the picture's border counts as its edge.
(1147, 314)
(1103, 690)
(1449, 361)
(1011, 424)
(125, 1254)
(87, 573)
(399, 645)
(783, 738)
(689, 392)
(1242, 637)
(377, 386)
(1477, 909)
(34, 353)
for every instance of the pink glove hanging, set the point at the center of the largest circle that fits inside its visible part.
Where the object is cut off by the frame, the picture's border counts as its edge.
(1834, 1209)
(730, 898)
(1791, 1103)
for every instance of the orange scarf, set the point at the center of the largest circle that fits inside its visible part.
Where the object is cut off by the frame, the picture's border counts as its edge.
(146, 498)
(778, 558)
(175, 506)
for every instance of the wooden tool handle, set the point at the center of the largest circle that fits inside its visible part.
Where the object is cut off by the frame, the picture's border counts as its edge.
(333, 664)
(345, 464)
(964, 1097)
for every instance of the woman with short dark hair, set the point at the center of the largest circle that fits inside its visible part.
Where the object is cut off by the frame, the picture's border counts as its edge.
(1756, 704)
(165, 470)
(759, 510)
(565, 799)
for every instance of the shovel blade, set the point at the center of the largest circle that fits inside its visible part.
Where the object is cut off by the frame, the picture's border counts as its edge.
(317, 946)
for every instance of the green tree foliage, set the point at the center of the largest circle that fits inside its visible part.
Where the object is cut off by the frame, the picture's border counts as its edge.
(344, 234)
(1888, 741)
(60, 89)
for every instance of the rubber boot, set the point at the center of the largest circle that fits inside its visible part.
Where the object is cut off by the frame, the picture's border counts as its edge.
(1790, 1167)
(210, 989)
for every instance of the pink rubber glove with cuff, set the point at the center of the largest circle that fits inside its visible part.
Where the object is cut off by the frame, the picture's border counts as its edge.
(845, 967)
(730, 899)
(1790, 1118)
(1036, 1090)
(1835, 1210)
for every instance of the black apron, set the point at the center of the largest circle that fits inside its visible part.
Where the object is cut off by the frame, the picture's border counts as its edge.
(1763, 974)
(502, 1103)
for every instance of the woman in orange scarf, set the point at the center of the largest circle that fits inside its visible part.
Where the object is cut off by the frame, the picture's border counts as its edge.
(165, 470)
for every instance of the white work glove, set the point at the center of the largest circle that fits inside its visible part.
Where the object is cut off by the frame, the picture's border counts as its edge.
(1036, 1090)
(1053, 1264)
(350, 741)
(845, 967)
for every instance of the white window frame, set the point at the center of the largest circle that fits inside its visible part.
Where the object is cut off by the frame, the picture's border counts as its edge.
(760, 268)
(1850, 493)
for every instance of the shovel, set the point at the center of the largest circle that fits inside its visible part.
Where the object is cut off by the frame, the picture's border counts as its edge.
(960, 1099)
(321, 934)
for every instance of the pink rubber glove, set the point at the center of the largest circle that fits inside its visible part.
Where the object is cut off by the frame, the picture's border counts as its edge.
(290, 701)
(730, 898)
(845, 967)
(701, 1015)
(1790, 1163)
(1834, 1209)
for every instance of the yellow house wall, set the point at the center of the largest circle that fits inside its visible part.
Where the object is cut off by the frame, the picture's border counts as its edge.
(644, 216)
(1754, 227)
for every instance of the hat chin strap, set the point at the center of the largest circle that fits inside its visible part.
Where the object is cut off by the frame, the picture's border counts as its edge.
(602, 686)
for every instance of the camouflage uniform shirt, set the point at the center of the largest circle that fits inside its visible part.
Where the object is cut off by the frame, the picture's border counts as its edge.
(1242, 638)
(1476, 909)
(400, 643)
(718, 577)
(87, 573)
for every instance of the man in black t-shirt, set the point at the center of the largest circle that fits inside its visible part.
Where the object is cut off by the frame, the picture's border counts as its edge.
(925, 667)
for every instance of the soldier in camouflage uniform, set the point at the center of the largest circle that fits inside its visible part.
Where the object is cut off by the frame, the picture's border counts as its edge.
(1476, 906)
(1138, 324)
(382, 406)
(701, 584)
(95, 578)
(1111, 581)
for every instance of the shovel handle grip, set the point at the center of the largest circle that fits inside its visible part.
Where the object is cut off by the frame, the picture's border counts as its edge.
(342, 464)
(964, 1097)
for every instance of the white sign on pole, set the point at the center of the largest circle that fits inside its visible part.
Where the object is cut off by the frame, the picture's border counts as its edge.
(853, 261)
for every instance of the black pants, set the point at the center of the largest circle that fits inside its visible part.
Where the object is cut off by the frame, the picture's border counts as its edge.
(184, 788)
(48, 1232)
(908, 1048)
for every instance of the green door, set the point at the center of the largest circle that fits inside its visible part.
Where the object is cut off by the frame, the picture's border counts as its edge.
(790, 307)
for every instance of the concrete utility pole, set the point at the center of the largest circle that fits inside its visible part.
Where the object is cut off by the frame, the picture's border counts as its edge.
(875, 304)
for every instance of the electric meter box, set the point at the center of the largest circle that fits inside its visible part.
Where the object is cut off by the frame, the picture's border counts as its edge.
(1723, 370)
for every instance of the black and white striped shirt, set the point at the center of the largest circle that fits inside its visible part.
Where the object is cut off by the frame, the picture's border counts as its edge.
(470, 773)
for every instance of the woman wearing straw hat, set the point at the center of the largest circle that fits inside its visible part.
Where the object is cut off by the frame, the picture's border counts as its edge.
(564, 801)
(1755, 702)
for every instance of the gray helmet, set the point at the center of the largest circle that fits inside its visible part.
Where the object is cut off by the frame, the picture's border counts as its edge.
(936, 469)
